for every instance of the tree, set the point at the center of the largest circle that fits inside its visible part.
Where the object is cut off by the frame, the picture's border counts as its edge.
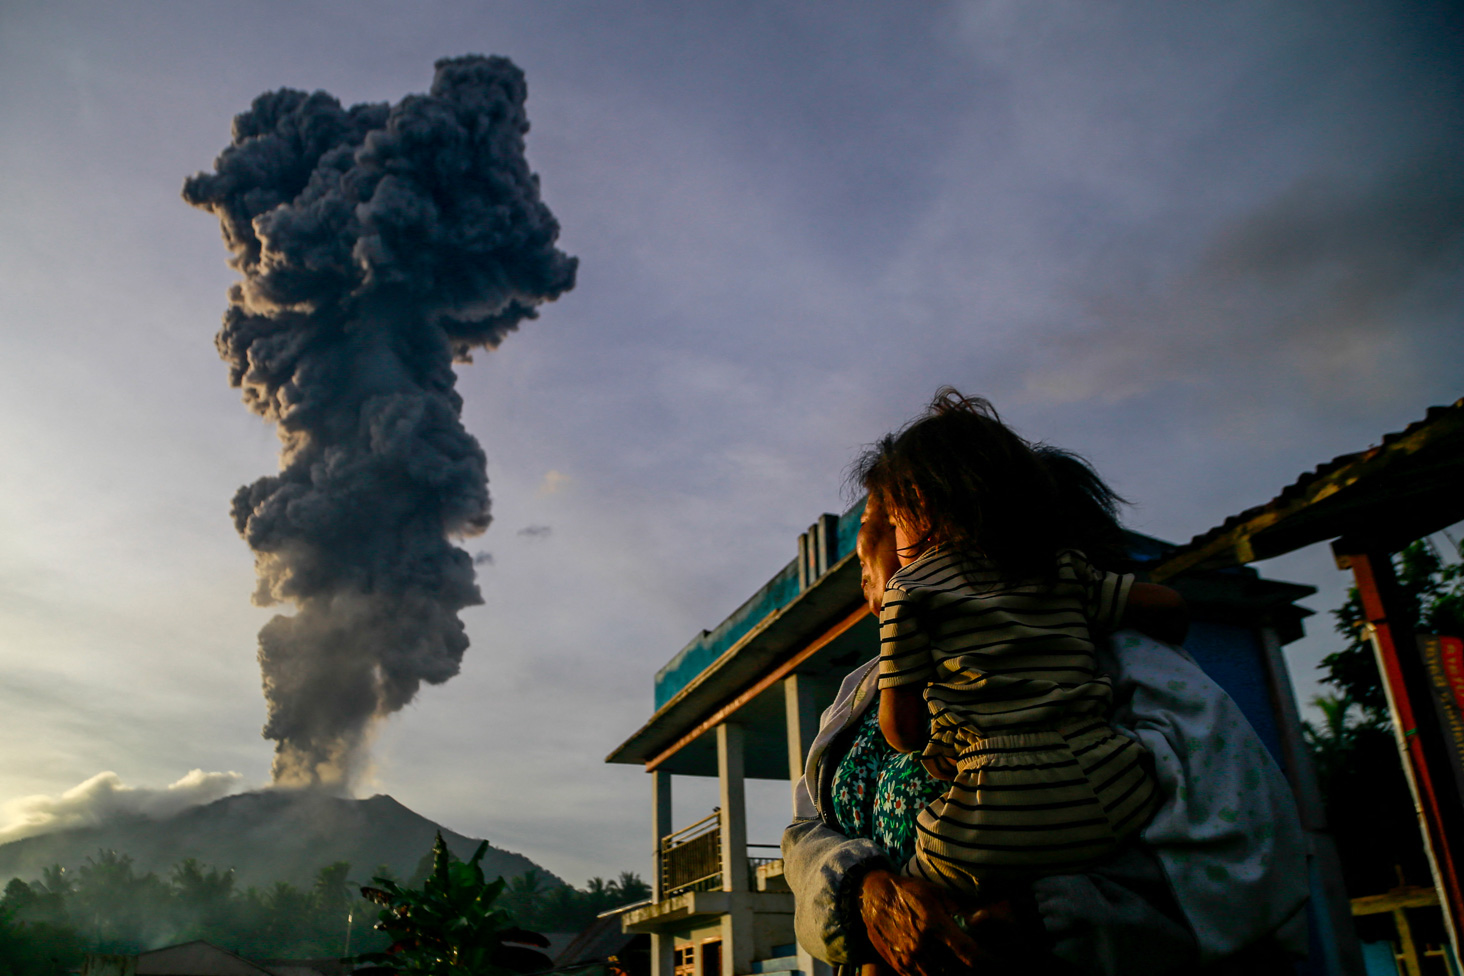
(56, 881)
(449, 927)
(34, 937)
(332, 889)
(1432, 591)
(629, 888)
(563, 908)
(1333, 742)
(19, 898)
(37, 948)
(192, 883)
(1369, 809)
(524, 894)
(203, 900)
(118, 909)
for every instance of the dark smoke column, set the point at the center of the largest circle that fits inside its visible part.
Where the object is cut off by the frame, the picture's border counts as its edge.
(377, 245)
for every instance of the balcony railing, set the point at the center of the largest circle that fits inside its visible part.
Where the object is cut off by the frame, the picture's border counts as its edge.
(691, 858)
(773, 853)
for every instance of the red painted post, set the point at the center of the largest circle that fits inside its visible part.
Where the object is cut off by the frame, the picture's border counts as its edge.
(1410, 705)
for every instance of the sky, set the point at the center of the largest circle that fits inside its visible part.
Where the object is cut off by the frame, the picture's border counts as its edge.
(1207, 246)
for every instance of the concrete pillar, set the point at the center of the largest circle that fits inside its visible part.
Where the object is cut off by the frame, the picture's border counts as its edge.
(802, 724)
(734, 807)
(737, 938)
(663, 944)
(663, 954)
(737, 935)
(828, 541)
(661, 824)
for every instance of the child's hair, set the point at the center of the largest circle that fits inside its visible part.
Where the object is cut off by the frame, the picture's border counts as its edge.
(1089, 509)
(963, 478)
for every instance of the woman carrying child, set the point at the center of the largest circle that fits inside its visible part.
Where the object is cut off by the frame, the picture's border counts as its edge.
(1192, 893)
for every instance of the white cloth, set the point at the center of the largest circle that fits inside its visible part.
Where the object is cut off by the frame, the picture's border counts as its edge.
(1228, 834)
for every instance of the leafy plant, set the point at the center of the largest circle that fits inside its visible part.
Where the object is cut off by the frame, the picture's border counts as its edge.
(1333, 741)
(449, 927)
(1369, 810)
(1432, 591)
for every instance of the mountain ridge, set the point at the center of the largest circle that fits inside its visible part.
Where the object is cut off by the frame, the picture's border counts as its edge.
(264, 836)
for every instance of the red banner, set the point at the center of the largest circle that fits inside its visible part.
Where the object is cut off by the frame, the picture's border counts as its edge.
(1443, 657)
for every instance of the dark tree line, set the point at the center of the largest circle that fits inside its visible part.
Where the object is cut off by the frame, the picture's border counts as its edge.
(106, 905)
(561, 908)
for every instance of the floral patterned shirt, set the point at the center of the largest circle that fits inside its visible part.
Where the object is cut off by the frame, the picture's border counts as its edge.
(878, 792)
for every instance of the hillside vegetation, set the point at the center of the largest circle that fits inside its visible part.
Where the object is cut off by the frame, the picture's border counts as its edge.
(271, 874)
(107, 905)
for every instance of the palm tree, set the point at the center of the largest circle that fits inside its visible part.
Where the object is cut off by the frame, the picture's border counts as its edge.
(1332, 742)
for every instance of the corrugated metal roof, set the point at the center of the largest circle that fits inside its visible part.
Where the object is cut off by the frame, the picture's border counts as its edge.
(1343, 472)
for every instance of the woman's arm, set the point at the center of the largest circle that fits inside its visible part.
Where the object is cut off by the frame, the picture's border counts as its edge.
(904, 717)
(825, 871)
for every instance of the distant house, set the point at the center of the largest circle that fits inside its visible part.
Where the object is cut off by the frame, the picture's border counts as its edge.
(743, 700)
(201, 958)
(604, 949)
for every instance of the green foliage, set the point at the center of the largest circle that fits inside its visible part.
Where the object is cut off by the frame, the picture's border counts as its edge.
(1369, 810)
(449, 927)
(1333, 742)
(30, 944)
(38, 949)
(547, 907)
(566, 909)
(1433, 601)
(116, 908)
(107, 906)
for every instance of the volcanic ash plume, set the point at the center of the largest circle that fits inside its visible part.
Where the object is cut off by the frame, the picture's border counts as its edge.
(378, 244)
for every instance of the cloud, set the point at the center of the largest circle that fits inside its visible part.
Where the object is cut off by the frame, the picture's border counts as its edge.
(553, 482)
(1327, 288)
(105, 797)
(536, 531)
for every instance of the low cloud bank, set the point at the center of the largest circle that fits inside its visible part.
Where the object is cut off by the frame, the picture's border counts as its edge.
(105, 797)
(1338, 289)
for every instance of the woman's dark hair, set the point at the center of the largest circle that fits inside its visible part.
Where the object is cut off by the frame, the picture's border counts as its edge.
(973, 483)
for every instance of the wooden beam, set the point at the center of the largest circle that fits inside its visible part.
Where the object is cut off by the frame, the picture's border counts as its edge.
(763, 684)
(1409, 896)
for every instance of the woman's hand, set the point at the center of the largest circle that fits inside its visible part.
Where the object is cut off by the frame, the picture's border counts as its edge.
(912, 925)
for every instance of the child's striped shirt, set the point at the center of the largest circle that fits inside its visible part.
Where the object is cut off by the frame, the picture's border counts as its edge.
(999, 654)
